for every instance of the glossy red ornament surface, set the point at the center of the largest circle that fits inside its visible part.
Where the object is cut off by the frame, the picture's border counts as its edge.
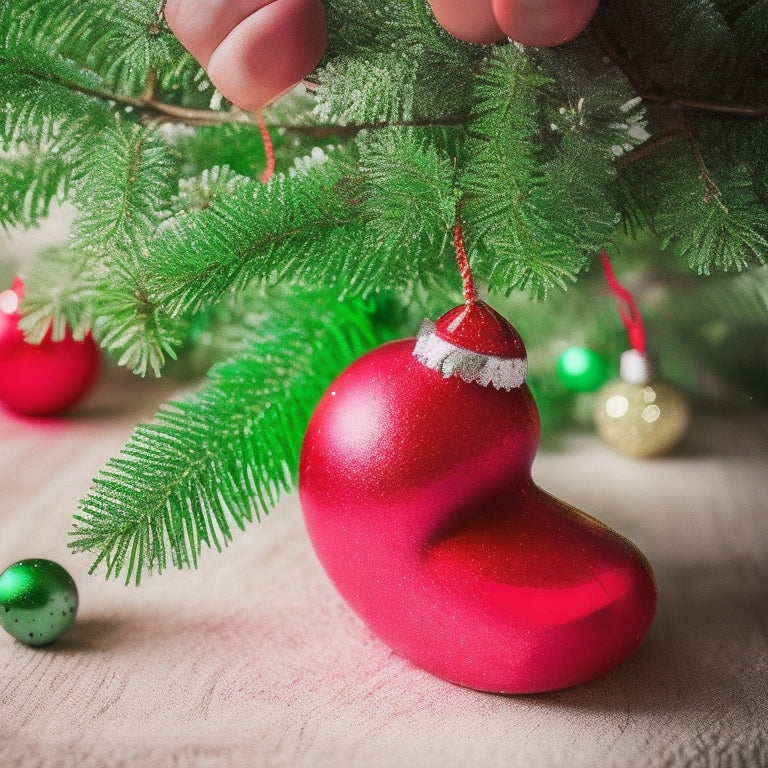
(252, 50)
(42, 379)
(419, 502)
(543, 23)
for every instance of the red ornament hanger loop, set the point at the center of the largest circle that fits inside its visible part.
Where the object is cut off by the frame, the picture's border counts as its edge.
(269, 148)
(470, 293)
(628, 309)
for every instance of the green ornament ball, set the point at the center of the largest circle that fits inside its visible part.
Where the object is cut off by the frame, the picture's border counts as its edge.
(581, 369)
(38, 601)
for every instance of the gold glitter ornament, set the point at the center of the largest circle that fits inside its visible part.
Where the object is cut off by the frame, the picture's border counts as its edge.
(641, 415)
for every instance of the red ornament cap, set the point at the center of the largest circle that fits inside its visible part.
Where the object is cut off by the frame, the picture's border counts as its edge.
(479, 328)
(475, 342)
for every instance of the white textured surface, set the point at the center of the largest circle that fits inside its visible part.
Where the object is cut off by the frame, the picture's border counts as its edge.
(253, 661)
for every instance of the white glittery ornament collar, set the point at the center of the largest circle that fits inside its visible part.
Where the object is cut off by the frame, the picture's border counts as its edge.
(473, 367)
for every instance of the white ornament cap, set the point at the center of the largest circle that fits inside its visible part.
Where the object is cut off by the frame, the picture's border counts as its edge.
(475, 343)
(637, 368)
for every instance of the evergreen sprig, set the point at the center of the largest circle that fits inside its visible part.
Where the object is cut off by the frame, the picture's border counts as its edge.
(542, 202)
(33, 179)
(220, 458)
(57, 296)
(654, 122)
(391, 62)
(317, 224)
(124, 180)
(255, 232)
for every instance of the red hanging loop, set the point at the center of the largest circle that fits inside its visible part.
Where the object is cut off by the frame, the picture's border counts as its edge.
(269, 149)
(470, 294)
(630, 314)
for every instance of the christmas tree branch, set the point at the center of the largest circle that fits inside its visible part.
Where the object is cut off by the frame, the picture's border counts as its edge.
(153, 109)
(670, 101)
(711, 190)
(353, 129)
(680, 103)
(222, 456)
(650, 147)
(158, 111)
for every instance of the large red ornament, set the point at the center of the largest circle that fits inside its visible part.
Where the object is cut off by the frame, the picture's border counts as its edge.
(41, 379)
(252, 50)
(540, 23)
(416, 488)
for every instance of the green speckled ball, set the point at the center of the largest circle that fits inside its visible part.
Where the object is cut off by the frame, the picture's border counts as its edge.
(38, 601)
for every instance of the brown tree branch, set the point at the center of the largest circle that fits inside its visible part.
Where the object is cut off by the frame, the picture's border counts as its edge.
(670, 112)
(156, 110)
(683, 104)
(649, 147)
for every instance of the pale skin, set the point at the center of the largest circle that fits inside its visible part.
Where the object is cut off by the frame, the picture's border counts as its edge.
(470, 20)
(253, 50)
(539, 23)
(543, 23)
(256, 50)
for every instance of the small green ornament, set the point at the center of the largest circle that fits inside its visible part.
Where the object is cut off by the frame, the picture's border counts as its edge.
(38, 601)
(581, 369)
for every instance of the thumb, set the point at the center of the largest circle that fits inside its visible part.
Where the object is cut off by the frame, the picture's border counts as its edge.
(252, 50)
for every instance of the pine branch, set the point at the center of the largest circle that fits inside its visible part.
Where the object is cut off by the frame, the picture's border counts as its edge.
(128, 324)
(677, 29)
(239, 237)
(724, 234)
(390, 62)
(408, 201)
(58, 294)
(683, 104)
(703, 197)
(537, 201)
(151, 109)
(154, 111)
(742, 72)
(30, 181)
(121, 186)
(45, 114)
(362, 227)
(106, 54)
(223, 456)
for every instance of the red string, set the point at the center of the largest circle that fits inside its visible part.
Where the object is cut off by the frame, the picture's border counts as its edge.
(269, 149)
(470, 294)
(630, 314)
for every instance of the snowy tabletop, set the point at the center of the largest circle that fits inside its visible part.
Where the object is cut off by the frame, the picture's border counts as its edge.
(253, 660)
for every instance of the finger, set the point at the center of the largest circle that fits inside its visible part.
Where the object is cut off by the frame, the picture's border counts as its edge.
(269, 52)
(201, 25)
(543, 23)
(472, 21)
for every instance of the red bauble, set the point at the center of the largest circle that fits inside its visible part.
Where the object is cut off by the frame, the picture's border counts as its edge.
(41, 379)
(473, 22)
(253, 50)
(417, 494)
(543, 23)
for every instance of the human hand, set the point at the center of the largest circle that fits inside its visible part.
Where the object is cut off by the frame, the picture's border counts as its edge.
(252, 50)
(531, 22)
